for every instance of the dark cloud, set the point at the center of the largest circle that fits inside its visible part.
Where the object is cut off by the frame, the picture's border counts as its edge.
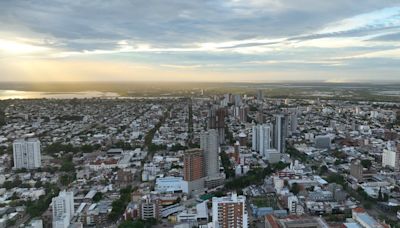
(388, 37)
(175, 22)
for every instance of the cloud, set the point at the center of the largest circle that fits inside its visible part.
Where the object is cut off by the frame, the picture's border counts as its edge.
(234, 35)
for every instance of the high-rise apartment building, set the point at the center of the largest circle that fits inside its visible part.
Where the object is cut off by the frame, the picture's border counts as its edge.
(209, 145)
(262, 139)
(193, 168)
(63, 209)
(27, 153)
(391, 156)
(229, 212)
(216, 120)
(280, 132)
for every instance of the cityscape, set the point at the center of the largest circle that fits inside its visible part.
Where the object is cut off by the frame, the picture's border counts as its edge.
(231, 160)
(200, 114)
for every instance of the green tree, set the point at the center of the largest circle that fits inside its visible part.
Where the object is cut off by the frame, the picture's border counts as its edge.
(366, 163)
(295, 189)
(97, 197)
(323, 170)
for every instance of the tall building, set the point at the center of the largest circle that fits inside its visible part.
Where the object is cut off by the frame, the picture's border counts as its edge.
(262, 139)
(27, 153)
(280, 133)
(356, 170)
(209, 145)
(255, 146)
(216, 120)
(391, 157)
(150, 208)
(260, 95)
(193, 167)
(240, 113)
(63, 209)
(229, 212)
(293, 123)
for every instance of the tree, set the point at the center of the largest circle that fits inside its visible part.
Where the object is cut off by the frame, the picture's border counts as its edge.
(366, 163)
(295, 189)
(380, 196)
(97, 197)
(226, 163)
(323, 170)
(87, 148)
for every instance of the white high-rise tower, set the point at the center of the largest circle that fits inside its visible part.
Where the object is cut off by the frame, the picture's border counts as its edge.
(26, 153)
(63, 209)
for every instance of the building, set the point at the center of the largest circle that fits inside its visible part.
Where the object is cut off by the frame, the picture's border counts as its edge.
(124, 178)
(150, 208)
(391, 157)
(262, 139)
(63, 209)
(229, 212)
(364, 219)
(260, 95)
(280, 133)
(273, 156)
(193, 168)
(27, 153)
(216, 120)
(209, 145)
(293, 123)
(323, 142)
(293, 205)
(356, 170)
(170, 185)
(295, 222)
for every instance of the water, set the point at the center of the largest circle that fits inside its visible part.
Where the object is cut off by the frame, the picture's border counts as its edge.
(16, 94)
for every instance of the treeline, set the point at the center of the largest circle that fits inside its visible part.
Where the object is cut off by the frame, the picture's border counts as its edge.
(138, 223)
(294, 153)
(60, 147)
(254, 177)
(3, 105)
(38, 207)
(226, 163)
(70, 118)
(119, 205)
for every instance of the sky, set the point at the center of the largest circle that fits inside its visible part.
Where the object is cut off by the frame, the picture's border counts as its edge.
(200, 40)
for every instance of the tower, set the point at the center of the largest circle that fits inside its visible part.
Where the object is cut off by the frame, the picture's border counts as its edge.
(193, 164)
(280, 132)
(209, 145)
(26, 153)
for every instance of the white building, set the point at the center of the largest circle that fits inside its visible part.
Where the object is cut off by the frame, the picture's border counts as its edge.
(170, 185)
(364, 219)
(229, 211)
(390, 159)
(27, 153)
(262, 139)
(63, 209)
(391, 156)
(294, 206)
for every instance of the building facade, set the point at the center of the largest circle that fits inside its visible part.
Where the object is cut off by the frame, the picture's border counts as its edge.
(209, 145)
(63, 209)
(27, 154)
(229, 212)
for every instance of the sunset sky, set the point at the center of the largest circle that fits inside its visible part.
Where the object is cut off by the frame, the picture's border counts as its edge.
(200, 40)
